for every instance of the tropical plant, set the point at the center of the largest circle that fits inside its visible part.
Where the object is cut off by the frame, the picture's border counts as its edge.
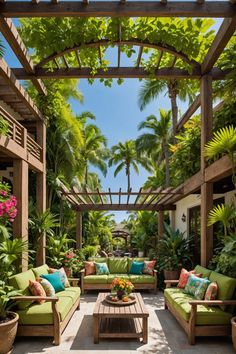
(223, 142)
(4, 126)
(57, 246)
(226, 214)
(89, 251)
(6, 303)
(182, 89)
(125, 156)
(156, 143)
(8, 204)
(174, 249)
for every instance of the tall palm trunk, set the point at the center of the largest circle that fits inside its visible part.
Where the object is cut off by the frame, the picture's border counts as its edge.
(86, 174)
(167, 162)
(172, 88)
(128, 175)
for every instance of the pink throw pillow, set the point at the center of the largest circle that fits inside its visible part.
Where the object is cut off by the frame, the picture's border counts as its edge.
(184, 275)
(149, 267)
(36, 289)
(90, 268)
(211, 292)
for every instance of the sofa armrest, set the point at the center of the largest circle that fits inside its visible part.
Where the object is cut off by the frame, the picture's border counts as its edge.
(33, 298)
(73, 281)
(170, 282)
(212, 302)
(82, 272)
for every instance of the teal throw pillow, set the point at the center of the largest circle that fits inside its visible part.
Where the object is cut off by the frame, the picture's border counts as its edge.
(101, 268)
(55, 280)
(196, 286)
(137, 268)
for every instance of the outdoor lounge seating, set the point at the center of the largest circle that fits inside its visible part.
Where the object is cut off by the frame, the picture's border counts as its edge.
(118, 267)
(47, 319)
(202, 317)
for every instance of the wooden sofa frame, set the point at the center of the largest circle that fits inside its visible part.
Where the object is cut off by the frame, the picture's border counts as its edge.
(54, 330)
(144, 286)
(192, 330)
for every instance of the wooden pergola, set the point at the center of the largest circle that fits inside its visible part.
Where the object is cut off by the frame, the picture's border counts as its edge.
(205, 72)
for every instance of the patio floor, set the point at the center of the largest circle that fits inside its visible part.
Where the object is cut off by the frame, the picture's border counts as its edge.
(165, 335)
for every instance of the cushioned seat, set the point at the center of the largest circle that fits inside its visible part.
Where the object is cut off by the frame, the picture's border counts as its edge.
(206, 315)
(72, 293)
(110, 277)
(141, 279)
(42, 314)
(95, 279)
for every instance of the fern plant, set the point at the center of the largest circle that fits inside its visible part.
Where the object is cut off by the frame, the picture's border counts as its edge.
(223, 142)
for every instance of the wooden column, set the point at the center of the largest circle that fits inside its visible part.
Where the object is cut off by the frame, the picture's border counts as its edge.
(206, 187)
(172, 218)
(160, 224)
(20, 190)
(79, 230)
(41, 191)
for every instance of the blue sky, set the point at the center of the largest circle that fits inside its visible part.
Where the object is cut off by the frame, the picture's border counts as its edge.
(117, 114)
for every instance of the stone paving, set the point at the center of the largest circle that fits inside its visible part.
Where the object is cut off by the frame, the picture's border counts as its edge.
(165, 335)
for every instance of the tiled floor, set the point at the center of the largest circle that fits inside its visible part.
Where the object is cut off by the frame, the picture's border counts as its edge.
(165, 336)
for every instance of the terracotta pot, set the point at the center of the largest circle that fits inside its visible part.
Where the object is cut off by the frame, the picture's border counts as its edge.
(68, 272)
(8, 333)
(171, 274)
(233, 322)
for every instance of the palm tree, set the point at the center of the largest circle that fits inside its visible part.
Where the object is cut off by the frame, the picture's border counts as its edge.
(156, 143)
(93, 150)
(125, 156)
(183, 89)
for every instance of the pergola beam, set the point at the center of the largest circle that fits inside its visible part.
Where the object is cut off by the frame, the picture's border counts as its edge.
(213, 9)
(11, 34)
(223, 36)
(188, 114)
(127, 207)
(116, 72)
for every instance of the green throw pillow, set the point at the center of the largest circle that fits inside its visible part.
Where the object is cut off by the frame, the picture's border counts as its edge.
(196, 286)
(101, 268)
(137, 268)
(55, 280)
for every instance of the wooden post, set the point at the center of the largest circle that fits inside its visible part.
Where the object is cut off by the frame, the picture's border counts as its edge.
(172, 219)
(206, 187)
(160, 224)
(41, 192)
(20, 190)
(78, 230)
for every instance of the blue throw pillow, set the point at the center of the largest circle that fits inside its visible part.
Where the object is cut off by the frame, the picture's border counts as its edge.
(55, 280)
(101, 268)
(137, 268)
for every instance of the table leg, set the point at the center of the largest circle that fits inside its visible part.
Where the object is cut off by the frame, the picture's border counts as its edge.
(145, 330)
(96, 329)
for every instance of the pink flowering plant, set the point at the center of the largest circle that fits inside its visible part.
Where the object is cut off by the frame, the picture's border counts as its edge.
(8, 204)
(72, 260)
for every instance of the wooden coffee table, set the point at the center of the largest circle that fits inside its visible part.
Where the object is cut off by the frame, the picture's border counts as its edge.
(112, 321)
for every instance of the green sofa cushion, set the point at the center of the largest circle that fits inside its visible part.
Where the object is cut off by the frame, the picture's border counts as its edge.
(204, 271)
(137, 259)
(98, 259)
(206, 315)
(110, 277)
(95, 279)
(72, 293)
(21, 282)
(42, 314)
(226, 286)
(118, 265)
(43, 269)
(141, 279)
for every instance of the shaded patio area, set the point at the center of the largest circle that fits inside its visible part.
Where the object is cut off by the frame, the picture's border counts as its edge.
(164, 335)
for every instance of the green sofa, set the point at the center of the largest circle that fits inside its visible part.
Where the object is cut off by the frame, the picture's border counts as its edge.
(118, 267)
(201, 317)
(49, 318)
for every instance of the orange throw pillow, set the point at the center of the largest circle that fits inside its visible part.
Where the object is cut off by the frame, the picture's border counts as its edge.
(184, 275)
(36, 289)
(212, 290)
(90, 268)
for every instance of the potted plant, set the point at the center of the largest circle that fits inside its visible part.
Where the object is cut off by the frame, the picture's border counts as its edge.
(8, 319)
(174, 251)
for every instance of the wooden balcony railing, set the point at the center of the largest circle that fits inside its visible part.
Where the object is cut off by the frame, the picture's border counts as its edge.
(19, 134)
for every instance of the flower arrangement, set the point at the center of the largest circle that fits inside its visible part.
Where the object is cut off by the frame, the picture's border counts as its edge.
(122, 286)
(72, 262)
(8, 203)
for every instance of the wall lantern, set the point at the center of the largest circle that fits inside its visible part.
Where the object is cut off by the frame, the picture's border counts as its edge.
(183, 218)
